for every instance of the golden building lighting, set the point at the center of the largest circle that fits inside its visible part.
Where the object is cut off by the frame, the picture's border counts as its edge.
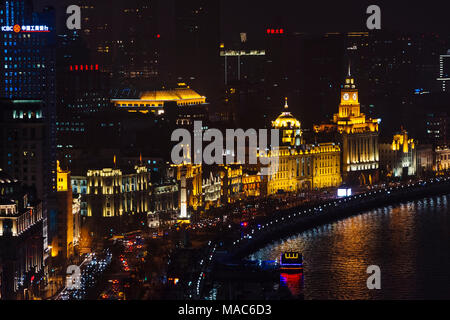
(153, 101)
(302, 166)
(112, 193)
(399, 158)
(357, 134)
(290, 127)
(62, 239)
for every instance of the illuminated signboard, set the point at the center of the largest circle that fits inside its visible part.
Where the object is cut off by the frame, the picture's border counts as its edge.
(291, 260)
(275, 31)
(344, 192)
(82, 67)
(18, 28)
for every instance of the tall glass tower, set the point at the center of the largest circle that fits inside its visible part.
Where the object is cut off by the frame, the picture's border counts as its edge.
(27, 56)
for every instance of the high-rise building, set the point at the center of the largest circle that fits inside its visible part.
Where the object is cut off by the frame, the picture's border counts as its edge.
(28, 52)
(122, 38)
(189, 43)
(22, 232)
(444, 71)
(23, 143)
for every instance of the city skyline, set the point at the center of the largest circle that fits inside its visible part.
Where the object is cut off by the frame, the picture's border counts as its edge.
(205, 150)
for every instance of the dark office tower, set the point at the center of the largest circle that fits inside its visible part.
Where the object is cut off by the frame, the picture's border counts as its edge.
(196, 44)
(437, 128)
(122, 37)
(82, 89)
(444, 72)
(23, 143)
(322, 65)
(28, 56)
(394, 69)
(137, 39)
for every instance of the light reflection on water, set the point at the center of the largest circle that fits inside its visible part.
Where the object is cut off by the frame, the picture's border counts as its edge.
(410, 242)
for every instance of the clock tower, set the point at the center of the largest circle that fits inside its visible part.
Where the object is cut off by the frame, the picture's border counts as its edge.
(349, 98)
(357, 134)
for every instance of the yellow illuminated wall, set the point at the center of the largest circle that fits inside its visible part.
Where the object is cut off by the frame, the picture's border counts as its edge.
(111, 193)
(358, 134)
(62, 238)
(63, 179)
(398, 158)
(327, 166)
(153, 101)
(302, 166)
(314, 167)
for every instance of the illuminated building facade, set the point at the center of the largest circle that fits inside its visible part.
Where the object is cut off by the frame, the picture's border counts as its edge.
(113, 193)
(232, 187)
(61, 225)
(306, 168)
(211, 188)
(425, 159)
(326, 165)
(290, 127)
(22, 234)
(442, 158)
(165, 197)
(253, 184)
(399, 159)
(357, 134)
(192, 176)
(154, 101)
(302, 166)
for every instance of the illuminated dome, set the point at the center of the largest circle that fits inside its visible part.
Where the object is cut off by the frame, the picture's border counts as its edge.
(286, 120)
(290, 127)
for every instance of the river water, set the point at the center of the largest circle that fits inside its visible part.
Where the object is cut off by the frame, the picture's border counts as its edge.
(410, 242)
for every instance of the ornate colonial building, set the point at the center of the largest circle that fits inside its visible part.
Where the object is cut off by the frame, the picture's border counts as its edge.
(291, 132)
(357, 134)
(302, 166)
(399, 158)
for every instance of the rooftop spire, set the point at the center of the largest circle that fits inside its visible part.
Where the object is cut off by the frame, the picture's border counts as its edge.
(286, 103)
(349, 74)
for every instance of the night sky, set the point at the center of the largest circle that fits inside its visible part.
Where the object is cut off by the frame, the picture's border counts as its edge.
(323, 16)
(328, 16)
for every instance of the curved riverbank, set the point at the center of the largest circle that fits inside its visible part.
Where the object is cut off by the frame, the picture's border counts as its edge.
(293, 221)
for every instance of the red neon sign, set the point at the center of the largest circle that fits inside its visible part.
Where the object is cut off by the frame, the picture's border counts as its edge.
(82, 67)
(275, 31)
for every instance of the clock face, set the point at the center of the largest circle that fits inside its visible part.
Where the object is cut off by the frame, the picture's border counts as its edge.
(355, 96)
(346, 96)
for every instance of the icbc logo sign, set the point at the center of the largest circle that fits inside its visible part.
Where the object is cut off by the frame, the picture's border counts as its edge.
(16, 28)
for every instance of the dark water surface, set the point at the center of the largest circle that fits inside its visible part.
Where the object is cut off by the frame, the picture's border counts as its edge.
(410, 242)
